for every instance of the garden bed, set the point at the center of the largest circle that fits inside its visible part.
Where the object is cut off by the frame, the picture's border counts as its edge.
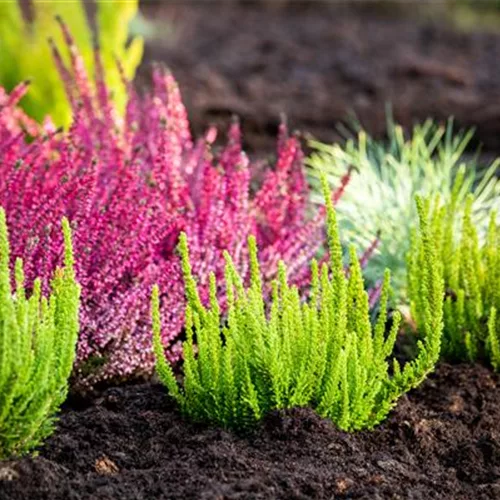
(442, 441)
(316, 64)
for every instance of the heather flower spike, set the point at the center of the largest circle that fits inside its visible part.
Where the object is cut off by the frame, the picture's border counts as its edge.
(129, 188)
(25, 50)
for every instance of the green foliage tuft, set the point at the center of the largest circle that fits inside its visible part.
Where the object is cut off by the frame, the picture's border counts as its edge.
(37, 347)
(26, 54)
(386, 176)
(471, 273)
(322, 352)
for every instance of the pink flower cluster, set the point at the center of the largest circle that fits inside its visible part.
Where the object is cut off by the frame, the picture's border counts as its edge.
(129, 186)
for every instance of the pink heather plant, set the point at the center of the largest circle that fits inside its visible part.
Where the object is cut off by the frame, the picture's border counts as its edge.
(129, 187)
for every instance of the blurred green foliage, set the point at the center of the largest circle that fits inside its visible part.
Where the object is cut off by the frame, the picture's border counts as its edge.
(26, 54)
(386, 177)
(473, 15)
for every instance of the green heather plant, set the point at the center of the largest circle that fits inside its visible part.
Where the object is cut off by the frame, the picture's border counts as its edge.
(26, 53)
(321, 352)
(37, 347)
(471, 273)
(386, 176)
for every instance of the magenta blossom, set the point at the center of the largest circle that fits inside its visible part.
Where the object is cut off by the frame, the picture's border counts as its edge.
(129, 186)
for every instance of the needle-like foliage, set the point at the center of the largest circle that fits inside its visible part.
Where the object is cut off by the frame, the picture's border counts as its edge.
(322, 352)
(37, 348)
(386, 176)
(26, 53)
(471, 273)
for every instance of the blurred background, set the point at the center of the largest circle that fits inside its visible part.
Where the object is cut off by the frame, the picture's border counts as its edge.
(321, 62)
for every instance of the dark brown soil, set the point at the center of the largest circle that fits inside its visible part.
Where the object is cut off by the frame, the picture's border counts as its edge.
(441, 442)
(320, 61)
